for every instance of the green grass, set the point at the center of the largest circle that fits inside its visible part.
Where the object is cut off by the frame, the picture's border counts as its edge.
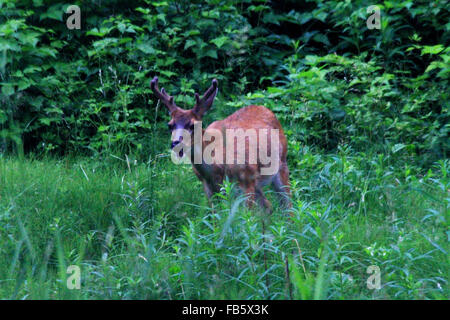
(144, 231)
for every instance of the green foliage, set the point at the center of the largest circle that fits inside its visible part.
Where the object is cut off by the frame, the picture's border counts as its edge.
(132, 241)
(78, 90)
(86, 91)
(332, 99)
(366, 113)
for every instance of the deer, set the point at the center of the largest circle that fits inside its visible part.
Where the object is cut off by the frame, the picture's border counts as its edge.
(251, 176)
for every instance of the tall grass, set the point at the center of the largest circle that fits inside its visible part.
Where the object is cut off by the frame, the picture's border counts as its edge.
(144, 231)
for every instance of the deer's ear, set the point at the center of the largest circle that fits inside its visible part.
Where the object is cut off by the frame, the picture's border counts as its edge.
(205, 103)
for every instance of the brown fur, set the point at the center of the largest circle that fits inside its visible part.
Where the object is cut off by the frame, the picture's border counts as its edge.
(248, 175)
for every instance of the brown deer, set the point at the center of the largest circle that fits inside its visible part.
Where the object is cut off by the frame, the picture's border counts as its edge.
(250, 175)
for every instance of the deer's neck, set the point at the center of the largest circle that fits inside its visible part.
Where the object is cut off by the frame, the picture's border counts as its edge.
(197, 147)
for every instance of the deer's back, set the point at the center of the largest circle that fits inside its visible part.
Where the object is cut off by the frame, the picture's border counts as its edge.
(250, 117)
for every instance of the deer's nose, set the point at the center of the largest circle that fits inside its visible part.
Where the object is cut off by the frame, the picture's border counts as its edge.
(173, 144)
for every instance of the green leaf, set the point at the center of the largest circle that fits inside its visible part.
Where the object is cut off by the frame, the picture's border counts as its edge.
(396, 148)
(143, 10)
(220, 41)
(45, 121)
(432, 49)
(168, 74)
(321, 38)
(31, 38)
(7, 89)
(189, 43)
(32, 69)
(103, 128)
(146, 48)
(23, 84)
(191, 33)
(6, 44)
(122, 27)
(55, 12)
(211, 53)
(99, 33)
(159, 3)
(47, 51)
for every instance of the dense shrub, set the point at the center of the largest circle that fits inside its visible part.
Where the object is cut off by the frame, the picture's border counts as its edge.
(316, 63)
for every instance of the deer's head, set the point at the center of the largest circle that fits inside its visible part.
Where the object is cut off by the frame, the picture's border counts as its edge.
(182, 119)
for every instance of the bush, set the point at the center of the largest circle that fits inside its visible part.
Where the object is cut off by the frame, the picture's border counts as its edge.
(86, 91)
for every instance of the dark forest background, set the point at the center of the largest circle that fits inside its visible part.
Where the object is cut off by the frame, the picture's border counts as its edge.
(314, 62)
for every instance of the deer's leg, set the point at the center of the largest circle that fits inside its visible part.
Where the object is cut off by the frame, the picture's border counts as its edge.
(282, 185)
(208, 190)
(249, 190)
(262, 200)
(255, 194)
(207, 187)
